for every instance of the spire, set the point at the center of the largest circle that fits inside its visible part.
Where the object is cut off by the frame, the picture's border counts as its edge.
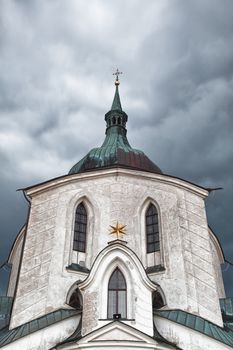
(115, 150)
(116, 118)
(116, 104)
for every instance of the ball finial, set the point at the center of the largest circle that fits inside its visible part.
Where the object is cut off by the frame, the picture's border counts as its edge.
(117, 73)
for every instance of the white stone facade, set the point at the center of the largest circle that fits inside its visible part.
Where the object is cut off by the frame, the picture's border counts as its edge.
(187, 254)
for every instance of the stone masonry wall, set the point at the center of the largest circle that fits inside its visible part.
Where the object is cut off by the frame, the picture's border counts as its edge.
(189, 281)
(34, 275)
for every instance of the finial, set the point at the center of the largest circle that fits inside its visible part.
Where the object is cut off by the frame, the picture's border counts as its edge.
(117, 73)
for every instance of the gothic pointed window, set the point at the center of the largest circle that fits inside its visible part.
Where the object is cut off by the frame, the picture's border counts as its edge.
(117, 295)
(80, 229)
(152, 229)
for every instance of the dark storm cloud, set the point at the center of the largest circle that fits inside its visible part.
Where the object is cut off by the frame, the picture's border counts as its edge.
(56, 60)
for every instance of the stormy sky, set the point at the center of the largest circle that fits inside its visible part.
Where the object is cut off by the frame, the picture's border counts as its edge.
(56, 63)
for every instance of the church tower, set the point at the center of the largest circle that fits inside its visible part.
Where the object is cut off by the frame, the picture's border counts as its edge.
(116, 254)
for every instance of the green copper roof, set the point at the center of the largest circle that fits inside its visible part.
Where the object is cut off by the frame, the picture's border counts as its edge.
(8, 336)
(226, 305)
(5, 310)
(227, 311)
(115, 150)
(199, 324)
(116, 104)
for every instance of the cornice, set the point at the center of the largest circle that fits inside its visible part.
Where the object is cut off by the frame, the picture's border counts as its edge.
(92, 175)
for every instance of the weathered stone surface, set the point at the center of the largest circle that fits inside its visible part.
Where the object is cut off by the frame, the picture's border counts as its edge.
(185, 243)
(90, 314)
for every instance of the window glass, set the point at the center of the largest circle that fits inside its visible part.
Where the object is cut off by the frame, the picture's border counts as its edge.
(117, 294)
(80, 229)
(152, 229)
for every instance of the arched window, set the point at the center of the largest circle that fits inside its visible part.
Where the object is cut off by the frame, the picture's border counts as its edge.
(80, 229)
(76, 300)
(152, 229)
(157, 300)
(117, 295)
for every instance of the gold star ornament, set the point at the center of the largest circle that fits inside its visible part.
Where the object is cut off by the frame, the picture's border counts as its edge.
(118, 230)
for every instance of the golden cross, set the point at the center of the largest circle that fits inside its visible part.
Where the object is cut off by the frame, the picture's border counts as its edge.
(118, 230)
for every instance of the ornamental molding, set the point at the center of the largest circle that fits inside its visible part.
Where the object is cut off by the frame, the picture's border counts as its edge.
(117, 253)
(100, 173)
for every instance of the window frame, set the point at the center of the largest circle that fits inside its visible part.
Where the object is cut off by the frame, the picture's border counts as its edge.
(117, 295)
(152, 244)
(81, 220)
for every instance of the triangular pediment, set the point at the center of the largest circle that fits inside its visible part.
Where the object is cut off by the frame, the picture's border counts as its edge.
(118, 333)
(121, 335)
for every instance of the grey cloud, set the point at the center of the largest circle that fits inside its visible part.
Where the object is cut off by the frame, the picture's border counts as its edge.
(55, 87)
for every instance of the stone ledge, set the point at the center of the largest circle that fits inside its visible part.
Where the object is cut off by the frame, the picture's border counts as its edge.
(155, 268)
(77, 267)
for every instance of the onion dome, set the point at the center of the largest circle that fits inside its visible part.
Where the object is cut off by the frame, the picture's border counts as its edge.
(116, 150)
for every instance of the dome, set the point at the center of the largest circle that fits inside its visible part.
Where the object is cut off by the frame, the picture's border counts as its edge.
(116, 150)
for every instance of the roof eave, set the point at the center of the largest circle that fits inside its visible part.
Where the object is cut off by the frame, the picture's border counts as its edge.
(59, 181)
